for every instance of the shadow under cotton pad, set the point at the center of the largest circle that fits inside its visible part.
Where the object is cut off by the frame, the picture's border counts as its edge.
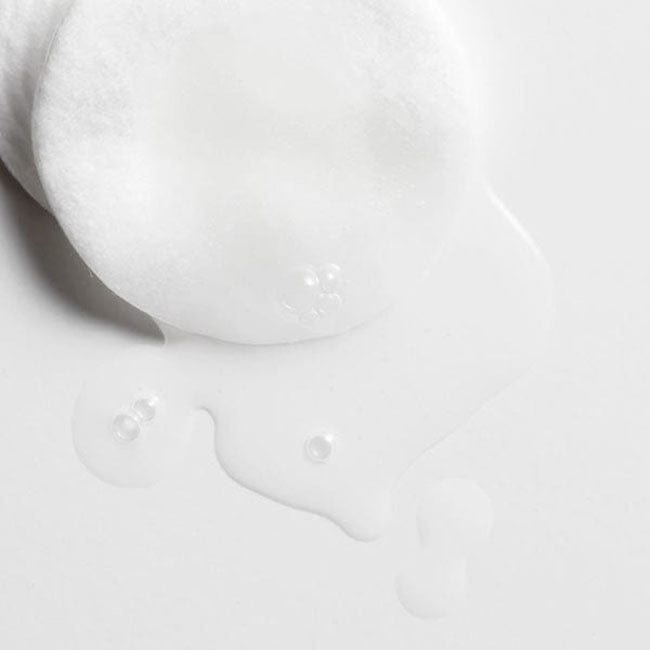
(26, 30)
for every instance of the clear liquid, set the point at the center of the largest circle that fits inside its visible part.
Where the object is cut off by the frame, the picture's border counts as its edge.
(330, 425)
(454, 519)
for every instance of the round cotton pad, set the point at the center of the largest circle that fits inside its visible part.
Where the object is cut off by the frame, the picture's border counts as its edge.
(26, 29)
(256, 171)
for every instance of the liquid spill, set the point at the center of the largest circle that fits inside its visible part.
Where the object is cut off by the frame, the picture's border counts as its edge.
(432, 587)
(132, 421)
(454, 518)
(389, 390)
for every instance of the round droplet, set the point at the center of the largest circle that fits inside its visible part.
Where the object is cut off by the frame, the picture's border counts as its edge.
(331, 278)
(145, 409)
(299, 290)
(328, 303)
(126, 428)
(319, 448)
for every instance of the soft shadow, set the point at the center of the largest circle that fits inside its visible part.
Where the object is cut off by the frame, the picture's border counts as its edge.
(59, 267)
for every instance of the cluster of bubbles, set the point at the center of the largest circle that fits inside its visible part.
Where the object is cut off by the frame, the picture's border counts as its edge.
(311, 293)
(127, 427)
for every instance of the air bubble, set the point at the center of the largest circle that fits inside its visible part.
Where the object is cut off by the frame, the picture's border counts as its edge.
(126, 428)
(144, 410)
(308, 294)
(319, 448)
(131, 423)
(331, 278)
(328, 303)
(300, 290)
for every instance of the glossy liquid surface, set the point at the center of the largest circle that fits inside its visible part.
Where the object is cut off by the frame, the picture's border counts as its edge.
(329, 426)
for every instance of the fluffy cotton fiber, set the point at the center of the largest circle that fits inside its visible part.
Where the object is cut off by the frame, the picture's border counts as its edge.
(26, 29)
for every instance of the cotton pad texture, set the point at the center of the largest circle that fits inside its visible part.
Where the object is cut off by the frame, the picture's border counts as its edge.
(26, 29)
(255, 171)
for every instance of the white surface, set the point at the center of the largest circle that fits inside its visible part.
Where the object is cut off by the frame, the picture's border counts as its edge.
(198, 562)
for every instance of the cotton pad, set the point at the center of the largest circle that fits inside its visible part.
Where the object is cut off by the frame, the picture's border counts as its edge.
(26, 28)
(256, 171)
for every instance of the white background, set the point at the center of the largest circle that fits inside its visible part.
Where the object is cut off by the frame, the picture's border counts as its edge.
(198, 562)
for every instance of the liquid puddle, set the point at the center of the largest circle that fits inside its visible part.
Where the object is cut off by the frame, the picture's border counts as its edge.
(330, 425)
(454, 519)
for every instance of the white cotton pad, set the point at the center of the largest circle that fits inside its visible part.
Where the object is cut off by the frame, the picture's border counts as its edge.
(256, 171)
(26, 29)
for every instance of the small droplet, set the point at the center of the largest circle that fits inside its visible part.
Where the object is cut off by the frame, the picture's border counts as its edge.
(319, 448)
(126, 428)
(331, 278)
(144, 409)
(299, 290)
(328, 303)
